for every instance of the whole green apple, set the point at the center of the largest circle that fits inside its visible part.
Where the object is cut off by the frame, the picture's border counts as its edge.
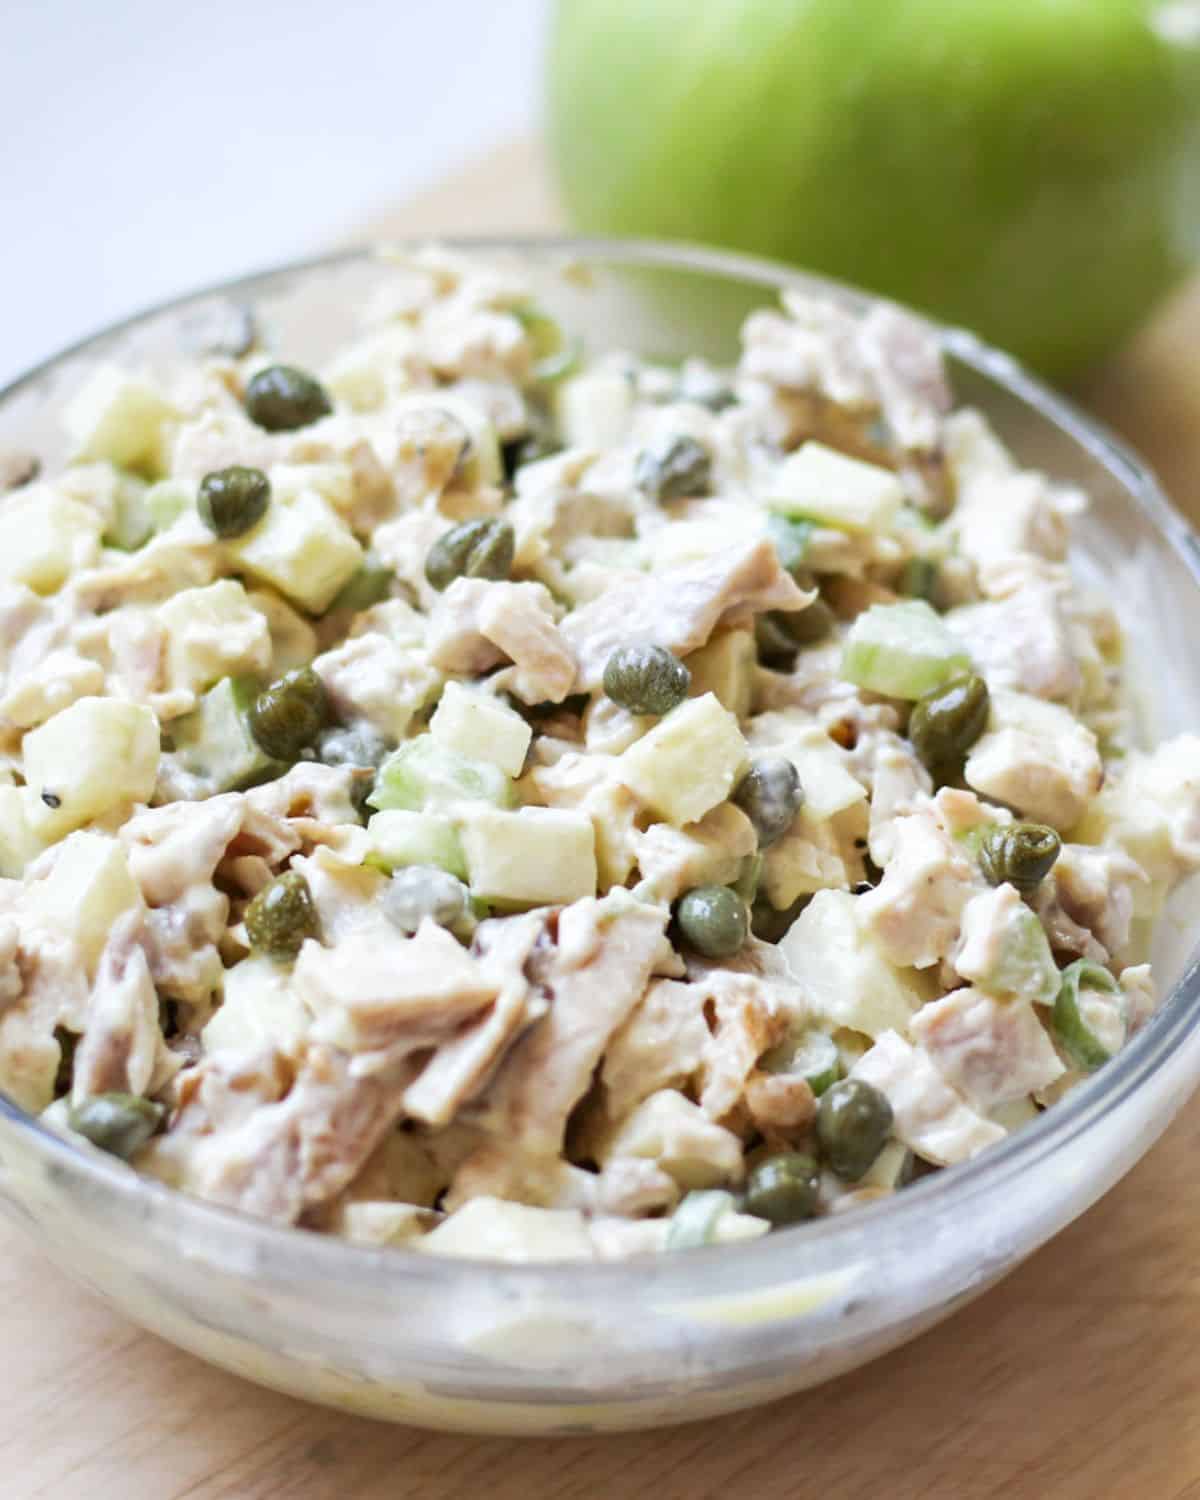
(1027, 168)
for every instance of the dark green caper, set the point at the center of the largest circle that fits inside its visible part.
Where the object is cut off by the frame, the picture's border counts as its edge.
(679, 470)
(646, 679)
(516, 452)
(483, 548)
(781, 634)
(853, 1121)
(358, 744)
(120, 1124)
(1021, 854)
(770, 924)
(281, 916)
(282, 398)
(370, 582)
(783, 1189)
(770, 795)
(920, 579)
(946, 723)
(713, 920)
(233, 500)
(286, 717)
(420, 891)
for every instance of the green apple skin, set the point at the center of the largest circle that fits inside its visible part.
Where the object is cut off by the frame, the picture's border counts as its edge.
(1029, 169)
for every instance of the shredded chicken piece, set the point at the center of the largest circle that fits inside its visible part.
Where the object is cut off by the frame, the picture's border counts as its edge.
(605, 953)
(681, 607)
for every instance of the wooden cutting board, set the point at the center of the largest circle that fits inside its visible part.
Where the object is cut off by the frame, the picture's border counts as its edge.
(1076, 1379)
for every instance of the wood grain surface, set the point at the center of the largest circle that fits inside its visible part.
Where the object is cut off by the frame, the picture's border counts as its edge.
(1077, 1379)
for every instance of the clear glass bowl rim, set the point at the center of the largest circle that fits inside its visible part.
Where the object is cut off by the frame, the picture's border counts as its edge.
(298, 1256)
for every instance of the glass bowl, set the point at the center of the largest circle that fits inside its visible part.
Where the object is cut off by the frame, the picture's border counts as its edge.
(487, 1347)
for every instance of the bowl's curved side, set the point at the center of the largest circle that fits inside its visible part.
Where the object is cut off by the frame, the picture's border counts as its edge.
(559, 1348)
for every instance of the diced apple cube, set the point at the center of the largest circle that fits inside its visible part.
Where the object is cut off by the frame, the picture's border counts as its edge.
(19, 844)
(96, 755)
(481, 727)
(725, 668)
(119, 417)
(594, 410)
(844, 975)
(213, 632)
(687, 763)
(823, 485)
(529, 857)
(302, 548)
(88, 886)
(44, 537)
(828, 786)
(259, 1009)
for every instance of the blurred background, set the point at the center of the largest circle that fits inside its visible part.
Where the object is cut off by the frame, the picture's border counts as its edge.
(1029, 168)
(163, 148)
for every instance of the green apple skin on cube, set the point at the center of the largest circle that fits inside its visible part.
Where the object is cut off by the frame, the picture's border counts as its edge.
(819, 484)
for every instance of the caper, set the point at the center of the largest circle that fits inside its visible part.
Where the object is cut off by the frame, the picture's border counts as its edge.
(780, 634)
(281, 917)
(920, 579)
(770, 795)
(713, 920)
(853, 1122)
(370, 582)
(420, 891)
(358, 744)
(678, 470)
(946, 723)
(646, 679)
(1021, 854)
(482, 548)
(783, 1189)
(769, 923)
(287, 716)
(120, 1124)
(282, 398)
(233, 500)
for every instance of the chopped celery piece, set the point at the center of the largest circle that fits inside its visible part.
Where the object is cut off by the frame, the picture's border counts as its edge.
(401, 837)
(424, 776)
(214, 744)
(902, 650)
(694, 1222)
(166, 501)
(791, 539)
(132, 524)
(1088, 1018)
(812, 1054)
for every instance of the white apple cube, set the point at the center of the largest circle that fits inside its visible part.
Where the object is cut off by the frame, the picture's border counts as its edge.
(481, 727)
(594, 410)
(213, 632)
(725, 668)
(530, 857)
(302, 548)
(19, 844)
(687, 763)
(845, 977)
(86, 889)
(97, 755)
(45, 537)
(820, 484)
(118, 417)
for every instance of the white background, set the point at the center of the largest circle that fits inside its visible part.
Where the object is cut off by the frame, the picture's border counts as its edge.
(147, 147)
